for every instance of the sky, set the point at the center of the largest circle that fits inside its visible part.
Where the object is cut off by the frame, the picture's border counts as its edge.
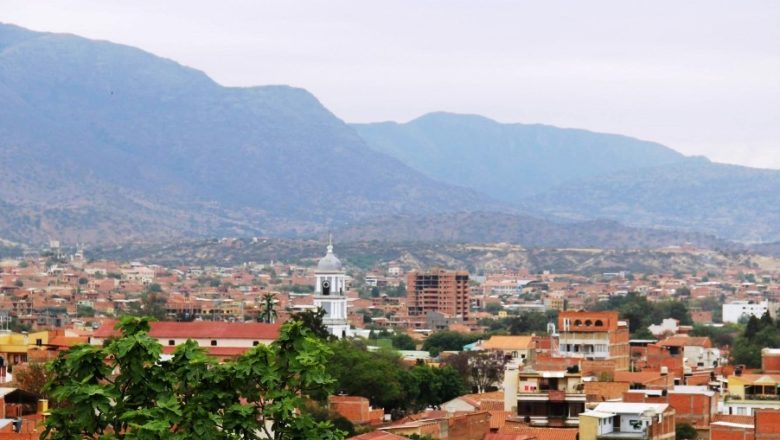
(702, 77)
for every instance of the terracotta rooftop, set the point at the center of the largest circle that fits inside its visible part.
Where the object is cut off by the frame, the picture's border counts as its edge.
(201, 330)
(541, 433)
(682, 341)
(378, 435)
(508, 343)
(500, 436)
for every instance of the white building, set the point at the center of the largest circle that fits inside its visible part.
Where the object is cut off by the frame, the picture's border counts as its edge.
(330, 293)
(733, 311)
(668, 326)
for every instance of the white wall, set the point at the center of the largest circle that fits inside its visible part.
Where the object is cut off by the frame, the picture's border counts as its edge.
(734, 311)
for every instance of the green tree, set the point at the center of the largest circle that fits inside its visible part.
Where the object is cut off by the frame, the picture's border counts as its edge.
(313, 320)
(447, 341)
(85, 312)
(32, 377)
(493, 308)
(373, 375)
(481, 370)
(268, 312)
(402, 341)
(684, 431)
(260, 395)
(387, 382)
(152, 304)
(530, 322)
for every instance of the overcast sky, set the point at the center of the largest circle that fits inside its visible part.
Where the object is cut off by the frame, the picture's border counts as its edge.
(702, 77)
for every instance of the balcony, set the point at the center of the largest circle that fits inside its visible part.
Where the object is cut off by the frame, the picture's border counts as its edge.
(632, 435)
(759, 397)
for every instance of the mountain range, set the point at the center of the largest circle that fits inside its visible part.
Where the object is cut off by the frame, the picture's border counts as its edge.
(577, 175)
(105, 143)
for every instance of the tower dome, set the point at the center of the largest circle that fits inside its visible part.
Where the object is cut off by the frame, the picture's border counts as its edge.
(330, 262)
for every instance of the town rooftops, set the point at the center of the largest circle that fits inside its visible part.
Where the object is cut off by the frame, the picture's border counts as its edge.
(682, 341)
(541, 433)
(201, 330)
(378, 435)
(759, 379)
(508, 343)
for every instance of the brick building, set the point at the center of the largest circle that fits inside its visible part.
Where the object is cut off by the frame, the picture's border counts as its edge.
(765, 425)
(594, 336)
(356, 409)
(695, 405)
(438, 290)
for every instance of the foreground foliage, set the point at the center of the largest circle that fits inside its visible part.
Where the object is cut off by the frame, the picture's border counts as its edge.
(124, 390)
(387, 382)
(758, 334)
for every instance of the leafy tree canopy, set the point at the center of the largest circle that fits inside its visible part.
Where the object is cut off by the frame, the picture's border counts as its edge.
(642, 313)
(124, 390)
(447, 341)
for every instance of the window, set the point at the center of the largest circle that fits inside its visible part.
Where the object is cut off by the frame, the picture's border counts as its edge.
(599, 323)
(255, 343)
(578, 322)
(588, 323)
(171, 342)
(213, 342)
(39, 342)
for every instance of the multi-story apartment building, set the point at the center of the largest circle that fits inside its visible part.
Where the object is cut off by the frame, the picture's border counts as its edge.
(594, 336)
(438, 290)
(735, 310)
(544, 398)
(750, 392)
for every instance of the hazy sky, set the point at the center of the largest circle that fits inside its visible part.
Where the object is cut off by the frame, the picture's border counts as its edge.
(700, 76)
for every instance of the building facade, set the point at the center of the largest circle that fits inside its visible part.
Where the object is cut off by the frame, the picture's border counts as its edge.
(544, 398)
(442, 291)
(330, 293)
(620, 420)
(594, 336)
(735, 310)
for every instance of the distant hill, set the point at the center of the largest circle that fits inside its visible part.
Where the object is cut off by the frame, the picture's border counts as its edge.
(103, 142)
(509, 161)
(471, 256)
(495, 227)
(577, 175)
(728, 201)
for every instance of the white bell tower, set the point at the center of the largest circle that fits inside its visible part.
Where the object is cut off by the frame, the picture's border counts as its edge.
(330, 293)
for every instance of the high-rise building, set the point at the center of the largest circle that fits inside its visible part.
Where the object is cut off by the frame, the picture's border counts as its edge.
(438, 290)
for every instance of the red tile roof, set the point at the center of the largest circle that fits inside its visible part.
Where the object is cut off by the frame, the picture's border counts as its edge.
(202, 330)
(378, 435)
(541, 433)
(682, 341)
(498, 436)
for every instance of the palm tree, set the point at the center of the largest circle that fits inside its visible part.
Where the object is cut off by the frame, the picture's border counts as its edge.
(268, 314)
